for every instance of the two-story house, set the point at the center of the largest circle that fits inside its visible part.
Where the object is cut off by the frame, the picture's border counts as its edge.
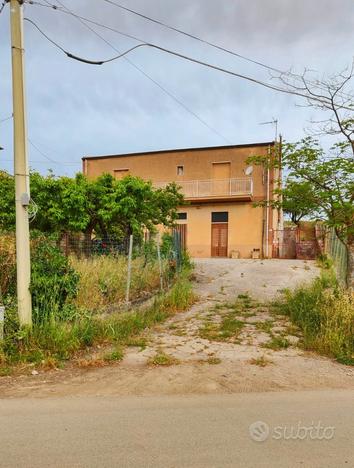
(220, 219)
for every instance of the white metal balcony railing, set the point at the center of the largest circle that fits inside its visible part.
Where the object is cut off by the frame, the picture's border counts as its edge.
(214, 187)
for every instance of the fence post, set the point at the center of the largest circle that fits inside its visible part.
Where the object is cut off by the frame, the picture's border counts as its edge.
(159, 260)
(129, 273)
(2, 318)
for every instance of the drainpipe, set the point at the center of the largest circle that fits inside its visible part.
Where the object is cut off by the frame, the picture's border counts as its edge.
(267, 209)
(280, 185)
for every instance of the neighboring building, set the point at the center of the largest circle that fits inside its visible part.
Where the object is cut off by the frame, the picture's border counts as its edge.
(220, 219)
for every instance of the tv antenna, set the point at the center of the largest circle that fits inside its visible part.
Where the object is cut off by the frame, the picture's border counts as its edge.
(272, 122)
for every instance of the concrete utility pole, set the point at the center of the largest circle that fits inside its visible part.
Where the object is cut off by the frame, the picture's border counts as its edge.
(22, 197)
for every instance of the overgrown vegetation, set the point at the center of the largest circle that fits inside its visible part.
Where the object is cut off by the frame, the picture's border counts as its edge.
(103, 280)
(325, 314)
(68, 294)
(53, 341)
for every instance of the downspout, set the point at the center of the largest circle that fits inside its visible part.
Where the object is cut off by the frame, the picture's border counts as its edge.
(280, 185)
(267, 209)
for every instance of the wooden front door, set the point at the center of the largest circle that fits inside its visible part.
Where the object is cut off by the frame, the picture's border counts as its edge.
(219, 235)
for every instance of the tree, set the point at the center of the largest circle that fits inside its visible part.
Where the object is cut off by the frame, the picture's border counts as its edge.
(105, 205)
(334, 97)
(297, 200)
(329, 183)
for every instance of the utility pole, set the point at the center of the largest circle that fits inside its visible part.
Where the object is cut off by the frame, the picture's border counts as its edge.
(21, 172)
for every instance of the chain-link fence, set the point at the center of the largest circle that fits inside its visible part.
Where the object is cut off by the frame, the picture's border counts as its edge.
(338, 252)
(111, 272)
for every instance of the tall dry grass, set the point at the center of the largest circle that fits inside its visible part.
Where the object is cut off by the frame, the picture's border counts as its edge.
(325, 313)
(103, 280)
(7, 264)
(55, 341)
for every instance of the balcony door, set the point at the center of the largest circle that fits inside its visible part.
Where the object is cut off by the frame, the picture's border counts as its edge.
(219, 234)
(221, 178)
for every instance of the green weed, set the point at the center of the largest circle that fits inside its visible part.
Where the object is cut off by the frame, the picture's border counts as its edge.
(62, 340)
(277, 343)
(261, 361)
(162, 359)
(325, 314)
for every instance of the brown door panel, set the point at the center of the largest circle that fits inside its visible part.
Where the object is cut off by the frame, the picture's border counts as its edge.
(219, 238)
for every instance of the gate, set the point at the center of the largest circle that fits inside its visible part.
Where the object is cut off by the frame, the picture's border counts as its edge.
(295, 243)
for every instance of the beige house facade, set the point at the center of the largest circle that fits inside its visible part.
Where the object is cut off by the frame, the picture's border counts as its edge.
(220, 189)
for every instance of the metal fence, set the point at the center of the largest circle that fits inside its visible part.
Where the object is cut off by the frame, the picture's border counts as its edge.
(338, 252)
(162, 255)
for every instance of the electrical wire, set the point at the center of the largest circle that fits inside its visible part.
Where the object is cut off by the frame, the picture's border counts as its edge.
(38, 162)
(50, 159)
(184, 57)
(2, 6)
(211, 44)
(6, 119)
(159, 85)
(192, 36)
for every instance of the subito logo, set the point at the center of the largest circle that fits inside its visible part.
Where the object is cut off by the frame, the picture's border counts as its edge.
(259, 431)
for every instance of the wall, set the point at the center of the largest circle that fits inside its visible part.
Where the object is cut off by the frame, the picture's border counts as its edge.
(244, 228)
(245, 222)
(162, 166)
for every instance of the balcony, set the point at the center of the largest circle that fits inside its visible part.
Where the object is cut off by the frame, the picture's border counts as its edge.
(241, 188)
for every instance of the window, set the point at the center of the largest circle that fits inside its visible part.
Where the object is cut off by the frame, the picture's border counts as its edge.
(121, 173)
(220, 217)
(182, 216)
(180, 170)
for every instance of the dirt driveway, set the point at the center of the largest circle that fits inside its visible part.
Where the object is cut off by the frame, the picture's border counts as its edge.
(229, 341)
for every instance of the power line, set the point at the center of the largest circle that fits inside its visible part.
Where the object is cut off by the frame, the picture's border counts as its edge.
(34, 162)
(192, 36)
(2, 6)
(50, 159)
(6, 118)
(184, 57)
(204, 41)
(159, 85)
(38, 150)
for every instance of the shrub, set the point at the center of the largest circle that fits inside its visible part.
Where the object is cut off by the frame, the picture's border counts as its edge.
(53, 281)
(325, 313)
(56, 340)
(8, 268)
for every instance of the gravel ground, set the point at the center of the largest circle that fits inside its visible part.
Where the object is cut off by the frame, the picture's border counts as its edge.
(229, 341)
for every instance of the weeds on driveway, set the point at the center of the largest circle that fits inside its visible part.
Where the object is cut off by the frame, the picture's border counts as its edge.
(162, 359)
(261, 361)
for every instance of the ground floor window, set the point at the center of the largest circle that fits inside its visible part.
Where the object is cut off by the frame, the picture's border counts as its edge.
(219, 233)
(219, 217)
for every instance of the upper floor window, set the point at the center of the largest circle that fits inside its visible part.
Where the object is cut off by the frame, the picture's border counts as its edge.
(182, 216)
(180, 170)
(121, 173)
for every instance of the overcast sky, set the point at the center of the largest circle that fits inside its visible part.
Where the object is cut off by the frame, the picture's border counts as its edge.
(76, 110)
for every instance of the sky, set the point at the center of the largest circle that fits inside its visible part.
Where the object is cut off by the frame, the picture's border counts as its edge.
(76, 110)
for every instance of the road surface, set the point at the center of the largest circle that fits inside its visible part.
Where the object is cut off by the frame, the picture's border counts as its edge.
(180, 431)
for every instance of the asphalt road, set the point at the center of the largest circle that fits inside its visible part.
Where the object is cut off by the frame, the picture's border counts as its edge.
(198, 431)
